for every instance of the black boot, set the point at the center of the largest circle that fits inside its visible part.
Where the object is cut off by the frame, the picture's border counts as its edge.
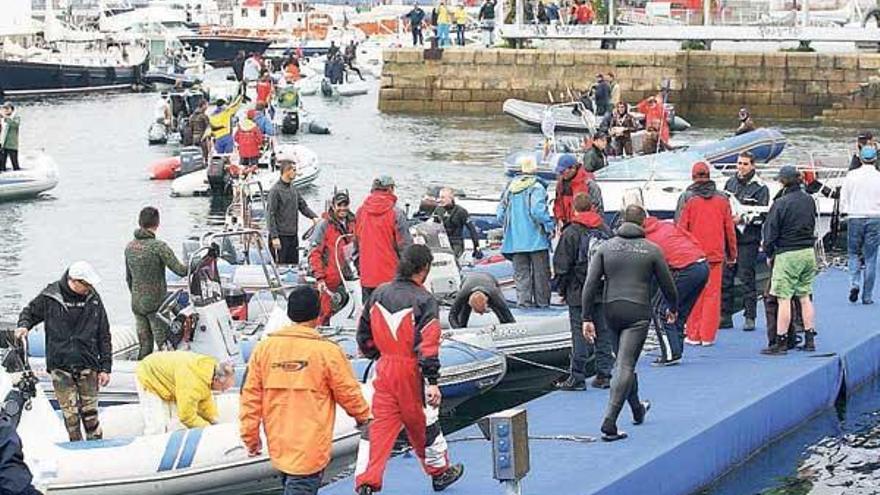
(809, 341)
(453, 474)
(778, 347)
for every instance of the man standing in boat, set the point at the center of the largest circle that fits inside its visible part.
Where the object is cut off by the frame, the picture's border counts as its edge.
(400, 328)
(282, 215)
(9, 124)
(572, 179)
(79, 354)
(298, 418)
(146, 259)
(331, 237)
(381, 234)
(455, 219)
(221, 124)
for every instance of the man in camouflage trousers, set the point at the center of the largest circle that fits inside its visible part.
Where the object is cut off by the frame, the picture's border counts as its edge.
(78, 348)
(145, 261)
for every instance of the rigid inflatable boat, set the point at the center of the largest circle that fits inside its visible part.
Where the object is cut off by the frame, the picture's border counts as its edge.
(38, 174)
(532, 115)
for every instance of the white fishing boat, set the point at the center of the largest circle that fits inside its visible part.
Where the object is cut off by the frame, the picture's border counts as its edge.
(38, 174)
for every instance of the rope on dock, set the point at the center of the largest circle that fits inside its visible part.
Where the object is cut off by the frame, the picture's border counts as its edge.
(560, 438)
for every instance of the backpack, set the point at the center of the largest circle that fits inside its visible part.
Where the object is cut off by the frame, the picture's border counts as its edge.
(588, 244)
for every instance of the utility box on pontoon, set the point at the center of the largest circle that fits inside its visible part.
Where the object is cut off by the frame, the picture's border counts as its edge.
(509, 433)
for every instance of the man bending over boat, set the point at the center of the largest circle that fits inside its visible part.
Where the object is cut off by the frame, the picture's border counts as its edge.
(298, 416)
(177, 386)
(479, 292)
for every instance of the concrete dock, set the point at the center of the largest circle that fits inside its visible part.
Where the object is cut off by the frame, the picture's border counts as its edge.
(712, 412)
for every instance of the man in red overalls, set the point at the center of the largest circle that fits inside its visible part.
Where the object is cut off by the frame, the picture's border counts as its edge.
(400, 327)
(331, 236)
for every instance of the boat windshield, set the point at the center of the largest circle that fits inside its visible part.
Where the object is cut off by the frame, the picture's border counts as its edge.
(662, 166)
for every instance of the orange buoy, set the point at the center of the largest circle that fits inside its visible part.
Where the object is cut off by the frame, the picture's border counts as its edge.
(165, 169)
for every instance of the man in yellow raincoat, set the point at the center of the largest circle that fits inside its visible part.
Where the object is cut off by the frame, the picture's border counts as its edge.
(221, 124)
(176, 388)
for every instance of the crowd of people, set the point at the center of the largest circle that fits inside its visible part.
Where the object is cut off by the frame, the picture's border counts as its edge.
(444, 19)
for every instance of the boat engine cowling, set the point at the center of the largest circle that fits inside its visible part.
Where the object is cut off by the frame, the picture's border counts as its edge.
(218, 177)
(444, 279)
(290, 123)
(157, 134)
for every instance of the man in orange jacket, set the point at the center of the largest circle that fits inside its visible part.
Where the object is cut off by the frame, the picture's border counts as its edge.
(295, 379)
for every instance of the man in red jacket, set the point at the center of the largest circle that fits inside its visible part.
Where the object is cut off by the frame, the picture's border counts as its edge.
(381, 234)
(705, 212)
(326, 258)
(573, 178)
(249, 139)
(687, 261)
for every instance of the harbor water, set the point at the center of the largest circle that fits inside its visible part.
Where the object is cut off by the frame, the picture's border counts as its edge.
(100, 144)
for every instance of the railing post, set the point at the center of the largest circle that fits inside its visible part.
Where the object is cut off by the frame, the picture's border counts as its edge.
(519, 13)
(805, 6)
(707, 12)
(610, 12)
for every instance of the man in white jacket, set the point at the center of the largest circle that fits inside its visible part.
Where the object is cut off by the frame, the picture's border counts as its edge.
(860, 201)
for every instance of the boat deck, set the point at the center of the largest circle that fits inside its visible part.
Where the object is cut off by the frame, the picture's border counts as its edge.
(712, 412)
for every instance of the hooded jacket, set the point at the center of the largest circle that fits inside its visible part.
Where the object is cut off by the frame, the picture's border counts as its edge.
(629, 264)
(570, 262)
(327, 239)
(679, 247)
(295, 379)
(10, 132)
(249, 139)
(382, 234)
(523, 213)
(705, 212)
(183, 378)
(791, 223)
(595, 160)
(283, 208)
(76, 327)
(146, 259)
(566, 190)
(749, 191)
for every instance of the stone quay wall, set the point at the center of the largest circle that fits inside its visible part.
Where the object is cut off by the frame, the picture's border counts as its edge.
(777, 85)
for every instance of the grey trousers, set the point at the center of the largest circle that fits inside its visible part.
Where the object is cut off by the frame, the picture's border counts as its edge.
(531, 273)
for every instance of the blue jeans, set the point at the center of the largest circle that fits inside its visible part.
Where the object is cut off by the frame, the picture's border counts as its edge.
(224, 144)
(689, 283)
(307, 484)
(459, 34)
(582, 351)
(443, 35)
(863, 238)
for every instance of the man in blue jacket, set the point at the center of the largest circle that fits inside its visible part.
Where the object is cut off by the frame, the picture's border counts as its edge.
(528, 228)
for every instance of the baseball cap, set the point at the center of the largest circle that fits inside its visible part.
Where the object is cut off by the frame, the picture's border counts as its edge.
(340, 197)
(788, 172)
(865, 135)
(700, 170)
(600, 135)
(868, 154)
(383, 182)
(251, 113)
(565, 162)
(82, 270)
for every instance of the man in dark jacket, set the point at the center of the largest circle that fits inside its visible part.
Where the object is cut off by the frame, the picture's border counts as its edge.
(789, 239)
(146, 259)
(705, 212)
(602, 95)
(579, 240)
(455, 219)
(595, 158)
(200, 128)
(863, 139)
(487, 21)
(282, 215)
(630, 265)
(750, 191)
(78, 349)
(15, 476)
(479, 292)
(381, 234)
(238, 66)
(415, 18)
(400, 328)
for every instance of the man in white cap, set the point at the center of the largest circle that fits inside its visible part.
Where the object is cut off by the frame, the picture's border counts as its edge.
(78, 349)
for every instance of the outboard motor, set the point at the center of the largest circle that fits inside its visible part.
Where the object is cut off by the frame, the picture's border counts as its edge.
(190, 160)
(444, 280)
(157, 134)
(218, 177)
(290, 122)
(326, 87)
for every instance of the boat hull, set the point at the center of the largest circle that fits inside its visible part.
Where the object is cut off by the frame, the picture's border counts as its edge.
(33, 78)
(220, 50)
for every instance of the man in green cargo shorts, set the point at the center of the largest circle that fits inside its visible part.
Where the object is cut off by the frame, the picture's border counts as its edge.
(789, 239)
(145, 261)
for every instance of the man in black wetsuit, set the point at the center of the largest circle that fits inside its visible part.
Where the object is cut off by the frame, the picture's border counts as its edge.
(455, 219)
(628, 263)
(479, 292)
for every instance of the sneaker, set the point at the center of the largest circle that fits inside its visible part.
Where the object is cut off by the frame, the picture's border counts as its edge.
(692, 342)
(867, 301)
(854, 294)
(602, 382)
(749, 325)
(726, 322)
(660, 361)
(365, 490)
(571, 384)
(639, 417)
(708, 344)
(450, 476)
